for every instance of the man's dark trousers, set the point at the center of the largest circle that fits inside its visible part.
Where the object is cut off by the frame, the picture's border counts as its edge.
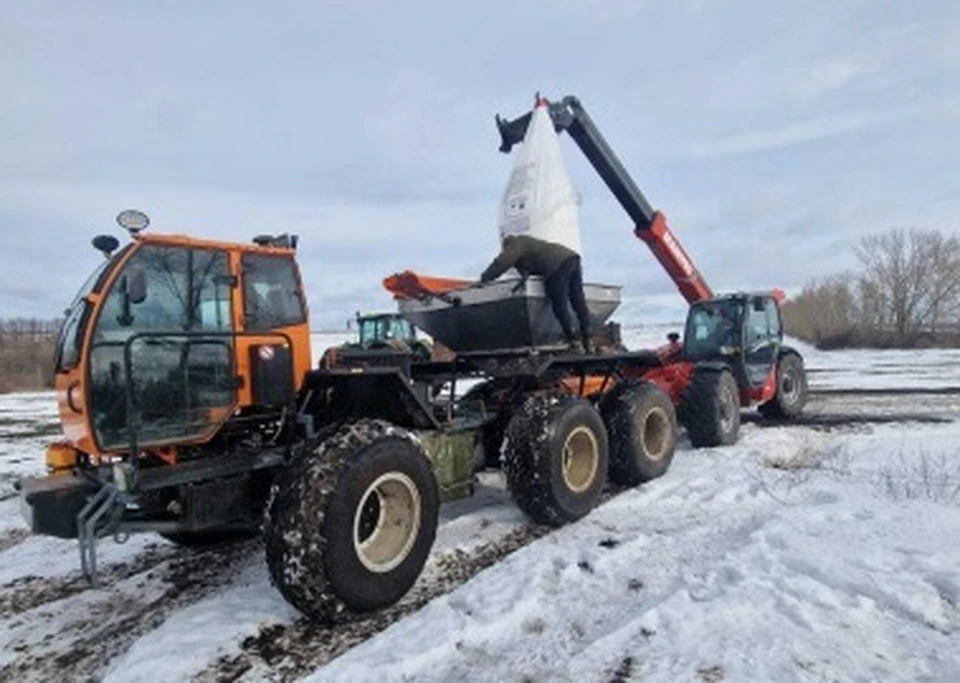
(566, 284)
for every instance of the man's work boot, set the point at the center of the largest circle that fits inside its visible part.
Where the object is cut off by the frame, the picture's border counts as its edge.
(588, 346)
(576, 347)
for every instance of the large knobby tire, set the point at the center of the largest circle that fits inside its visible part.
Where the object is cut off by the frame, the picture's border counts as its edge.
(642, 426)
(791, 393)
(351, 521)
(711, 408)
(555, 458)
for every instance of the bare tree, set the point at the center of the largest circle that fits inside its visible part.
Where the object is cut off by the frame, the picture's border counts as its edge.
(891, 272)
(910, 281)
(943, 298)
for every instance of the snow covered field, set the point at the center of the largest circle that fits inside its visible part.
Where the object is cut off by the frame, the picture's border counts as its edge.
(826, 550)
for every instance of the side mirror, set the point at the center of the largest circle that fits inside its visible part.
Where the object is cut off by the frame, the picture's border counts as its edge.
(133, 290)
(106, 244)
(136, 286)
(759, 304)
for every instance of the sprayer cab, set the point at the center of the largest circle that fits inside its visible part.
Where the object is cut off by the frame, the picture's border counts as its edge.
(204, 330)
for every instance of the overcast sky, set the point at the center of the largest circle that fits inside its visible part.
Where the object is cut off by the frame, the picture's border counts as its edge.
(773, 134)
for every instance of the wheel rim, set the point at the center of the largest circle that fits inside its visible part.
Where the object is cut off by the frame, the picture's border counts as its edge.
(386, 522)
(655, 431)
(789, 387)
(727, 408)
(581, 459)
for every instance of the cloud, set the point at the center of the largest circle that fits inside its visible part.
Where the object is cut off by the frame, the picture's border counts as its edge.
(831, 75)
(818, 128)
(787, 135)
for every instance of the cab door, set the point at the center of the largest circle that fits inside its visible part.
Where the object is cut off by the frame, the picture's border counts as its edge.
(762, 338)
(273, 353)
(162, 347)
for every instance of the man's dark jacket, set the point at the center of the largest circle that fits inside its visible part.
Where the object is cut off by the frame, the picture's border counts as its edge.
(529, 256)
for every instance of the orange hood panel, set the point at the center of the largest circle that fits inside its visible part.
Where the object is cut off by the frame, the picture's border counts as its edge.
(410, 285)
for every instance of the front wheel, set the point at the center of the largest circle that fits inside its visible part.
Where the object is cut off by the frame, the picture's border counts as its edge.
(555, 458)
(711, 408)
(791, 393)
(351, 521)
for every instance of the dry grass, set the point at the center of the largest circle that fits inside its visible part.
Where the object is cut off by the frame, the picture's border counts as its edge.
(925, 476)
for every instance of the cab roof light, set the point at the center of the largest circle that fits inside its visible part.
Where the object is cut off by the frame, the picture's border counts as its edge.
(283, 241)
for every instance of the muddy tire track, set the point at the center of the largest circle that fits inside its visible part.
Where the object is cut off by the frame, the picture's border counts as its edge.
(285, 652)
(29, 592)
(107, 628)
(840, 421)
(889, 391)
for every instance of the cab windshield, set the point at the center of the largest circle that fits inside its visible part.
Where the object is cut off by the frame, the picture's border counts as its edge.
(712, 326)
(384, 329)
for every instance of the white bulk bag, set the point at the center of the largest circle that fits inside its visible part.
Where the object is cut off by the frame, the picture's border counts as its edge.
(539, 200)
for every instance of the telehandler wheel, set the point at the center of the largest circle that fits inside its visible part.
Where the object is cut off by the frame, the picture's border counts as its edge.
(555, 458)
(351, 521)
(711, 408)
(642, 426)
(791, 393)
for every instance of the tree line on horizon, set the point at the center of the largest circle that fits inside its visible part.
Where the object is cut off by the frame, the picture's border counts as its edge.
(905, 293)
(26, 353)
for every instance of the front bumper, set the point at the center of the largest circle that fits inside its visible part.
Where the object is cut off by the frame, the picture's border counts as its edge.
(50, 504)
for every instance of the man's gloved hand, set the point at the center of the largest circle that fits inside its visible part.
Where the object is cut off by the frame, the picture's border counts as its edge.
(520, 286)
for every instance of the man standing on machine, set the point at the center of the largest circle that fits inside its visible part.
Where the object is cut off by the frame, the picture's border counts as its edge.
(562, 279)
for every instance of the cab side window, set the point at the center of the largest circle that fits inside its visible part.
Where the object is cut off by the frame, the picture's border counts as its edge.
(757, 330)
(764, 323)
(271, 293)
(773, 318)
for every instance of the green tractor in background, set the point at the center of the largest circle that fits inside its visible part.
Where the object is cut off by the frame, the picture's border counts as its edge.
(389, 330)
(377, 332)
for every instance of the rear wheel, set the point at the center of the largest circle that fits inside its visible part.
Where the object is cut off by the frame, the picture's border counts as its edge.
(791, 393)
(642, 426)
(555, 458)
(711, 408)
(351, 521)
